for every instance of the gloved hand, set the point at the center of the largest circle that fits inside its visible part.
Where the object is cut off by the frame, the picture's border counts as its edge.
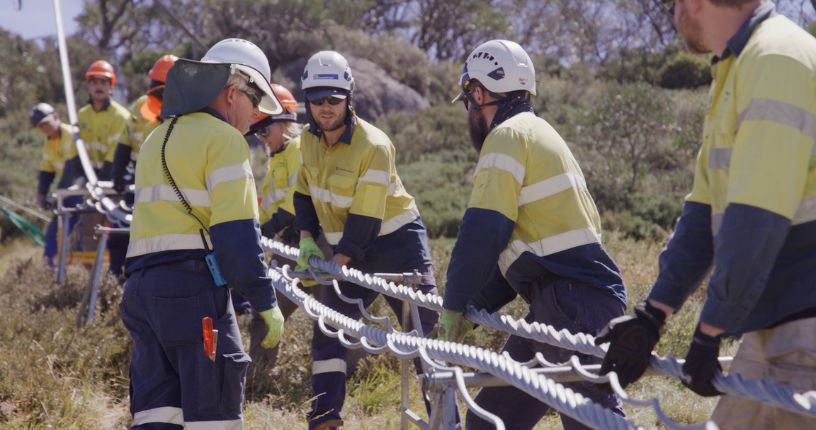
(701, 364)
(453, 326)
(308, 249)
(274, 327)
(632, 339)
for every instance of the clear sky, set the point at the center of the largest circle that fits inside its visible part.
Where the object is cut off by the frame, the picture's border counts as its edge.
(36, 18)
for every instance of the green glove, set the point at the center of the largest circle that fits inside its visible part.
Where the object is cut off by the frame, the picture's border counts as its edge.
(274, 327)
(308, 249)
(453, 326)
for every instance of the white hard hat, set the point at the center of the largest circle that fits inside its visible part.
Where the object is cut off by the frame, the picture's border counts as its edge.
(501, 66)
(329, 71)
(248, 58)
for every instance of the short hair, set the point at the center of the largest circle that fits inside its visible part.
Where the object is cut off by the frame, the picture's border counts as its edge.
(731, 3)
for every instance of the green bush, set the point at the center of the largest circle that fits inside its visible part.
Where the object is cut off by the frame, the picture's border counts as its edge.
(685, 70)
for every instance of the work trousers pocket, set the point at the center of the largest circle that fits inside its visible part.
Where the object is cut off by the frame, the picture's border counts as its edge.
(233, 382)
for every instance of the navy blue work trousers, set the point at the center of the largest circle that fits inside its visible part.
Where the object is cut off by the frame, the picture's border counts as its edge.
(565, 305)
(173, 383)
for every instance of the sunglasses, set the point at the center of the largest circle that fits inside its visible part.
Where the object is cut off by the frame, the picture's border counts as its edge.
(253, 96)
(334, 101)
(264, 132)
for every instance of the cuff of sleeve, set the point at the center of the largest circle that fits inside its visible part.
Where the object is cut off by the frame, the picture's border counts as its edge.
(722, 314)
(261, 297)
(345, 247)
(666, 293)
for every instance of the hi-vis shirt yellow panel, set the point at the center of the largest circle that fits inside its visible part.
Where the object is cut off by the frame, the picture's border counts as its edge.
(278, 188)
(758, 136)
(357, 178)
(139, 127)
(209, 161)
(56, 150)
(102, 131)
(527, 173)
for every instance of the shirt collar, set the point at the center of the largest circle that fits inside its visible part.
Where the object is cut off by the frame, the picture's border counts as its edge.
(737, 42)
(351, 121)
(213, 112)
(105, 105)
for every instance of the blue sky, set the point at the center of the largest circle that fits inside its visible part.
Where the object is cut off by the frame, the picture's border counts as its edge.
(36, 18)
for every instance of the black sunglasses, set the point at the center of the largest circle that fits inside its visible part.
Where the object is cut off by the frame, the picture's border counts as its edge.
(334, 101)
(253, 96)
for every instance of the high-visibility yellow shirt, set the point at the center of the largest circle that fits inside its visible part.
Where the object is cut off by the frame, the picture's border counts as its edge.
(102, 131)
(278, 187)
(357, 177)
(209, 161)
(758, 135)
(139, 127)
(55, 150)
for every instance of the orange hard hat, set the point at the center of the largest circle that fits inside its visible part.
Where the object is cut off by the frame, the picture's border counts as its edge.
(160, 68)
(288, 103)
(286, 98)
(101, 69)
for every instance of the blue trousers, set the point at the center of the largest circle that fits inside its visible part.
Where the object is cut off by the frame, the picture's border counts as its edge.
(564, 305)
(173, 383)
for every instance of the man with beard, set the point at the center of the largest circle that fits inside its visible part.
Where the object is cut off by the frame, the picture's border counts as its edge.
(751, 215)
(348, 190)
(531, 229)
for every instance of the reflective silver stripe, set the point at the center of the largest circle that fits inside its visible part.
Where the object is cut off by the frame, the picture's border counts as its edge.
(215, 425)
(544, 247)
(97, 146)
(293, 179)
(229, 173)
(551, 186)
(326, 196)
(716, 223)
(806, 211)
(274, 196)
(502, 162)
(327, 366)
(376, 176)
(166, 242)
(333, 238)
(58, 166)
(165, 192)
(114, 138)
(134, 155)
(393, 224)
(719, 158)
(781, 113)
(165, 414)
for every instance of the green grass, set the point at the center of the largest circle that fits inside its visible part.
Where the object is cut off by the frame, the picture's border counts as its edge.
(57, 376)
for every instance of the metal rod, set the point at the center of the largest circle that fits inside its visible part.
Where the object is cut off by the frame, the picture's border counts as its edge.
(96, 279)
(27, 210)
(405, 369)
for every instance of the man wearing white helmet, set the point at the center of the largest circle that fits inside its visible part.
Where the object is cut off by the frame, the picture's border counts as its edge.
(531, 229)
(349, 191)
(195, 233)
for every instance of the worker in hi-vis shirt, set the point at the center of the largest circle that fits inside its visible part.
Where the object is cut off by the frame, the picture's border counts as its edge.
(195, 235)
(531, 229)
(750, 218)
(57, 145)
(349, 192)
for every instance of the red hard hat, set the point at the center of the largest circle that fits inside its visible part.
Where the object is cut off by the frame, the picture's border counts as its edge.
(160, 68)
(101, 69)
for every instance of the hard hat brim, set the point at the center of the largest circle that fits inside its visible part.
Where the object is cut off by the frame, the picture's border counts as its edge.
(270, 104)
(151, 109)
(321, 92)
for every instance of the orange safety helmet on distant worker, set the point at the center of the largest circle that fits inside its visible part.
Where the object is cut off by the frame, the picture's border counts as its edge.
(288, 103)
(101, 69)
(160, 68)
(151, 108)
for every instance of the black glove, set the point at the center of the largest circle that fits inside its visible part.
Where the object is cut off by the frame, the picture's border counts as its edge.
(632, 339)
(268, 229)
(701, 364)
